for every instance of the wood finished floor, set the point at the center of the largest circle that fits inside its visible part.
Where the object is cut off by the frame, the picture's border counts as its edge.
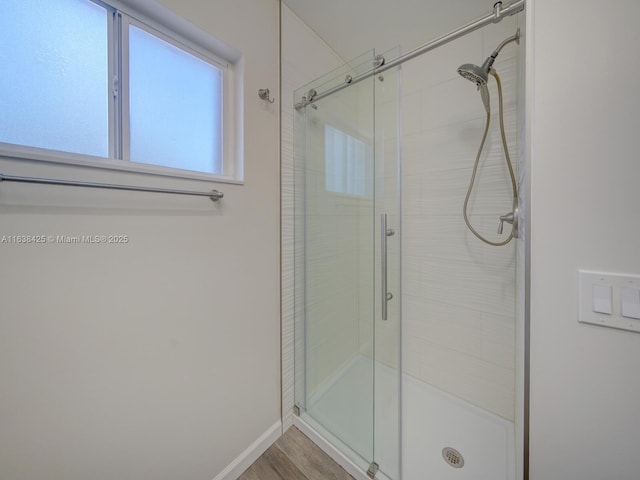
(295, 457)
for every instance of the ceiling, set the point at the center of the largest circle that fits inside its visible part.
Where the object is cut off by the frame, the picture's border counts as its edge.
(352, 27)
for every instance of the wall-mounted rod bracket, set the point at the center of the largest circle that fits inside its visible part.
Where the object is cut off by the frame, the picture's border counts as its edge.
(497, 12)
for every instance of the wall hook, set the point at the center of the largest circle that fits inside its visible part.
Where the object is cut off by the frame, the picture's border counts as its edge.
(263, 93)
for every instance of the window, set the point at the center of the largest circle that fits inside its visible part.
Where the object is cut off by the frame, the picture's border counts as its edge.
(53, 89)
(348, 164)
(175, 106)
(102, 85)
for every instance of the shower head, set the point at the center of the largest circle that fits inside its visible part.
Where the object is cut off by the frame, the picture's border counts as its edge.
(474, 73)
(480, 75)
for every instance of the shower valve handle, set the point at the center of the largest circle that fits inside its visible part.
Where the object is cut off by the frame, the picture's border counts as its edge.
(505, 218)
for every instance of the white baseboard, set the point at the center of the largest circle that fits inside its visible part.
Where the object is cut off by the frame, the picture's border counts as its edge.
(251, 454)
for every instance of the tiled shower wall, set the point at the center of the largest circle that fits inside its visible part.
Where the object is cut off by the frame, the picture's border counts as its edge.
(458, 293)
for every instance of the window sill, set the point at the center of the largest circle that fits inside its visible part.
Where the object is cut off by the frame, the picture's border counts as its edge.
(73, 159)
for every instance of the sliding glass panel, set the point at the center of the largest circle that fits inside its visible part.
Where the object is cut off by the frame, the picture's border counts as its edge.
(388, 296)
(335, 245)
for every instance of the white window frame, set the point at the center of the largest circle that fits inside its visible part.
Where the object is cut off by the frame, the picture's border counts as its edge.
(169, 27)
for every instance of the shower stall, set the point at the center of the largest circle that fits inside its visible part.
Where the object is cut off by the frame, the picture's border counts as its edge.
(408, 337)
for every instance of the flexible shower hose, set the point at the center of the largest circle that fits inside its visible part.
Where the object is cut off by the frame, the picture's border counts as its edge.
(514, 186)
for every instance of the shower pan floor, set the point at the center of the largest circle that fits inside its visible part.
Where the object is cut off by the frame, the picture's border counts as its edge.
(433, 421)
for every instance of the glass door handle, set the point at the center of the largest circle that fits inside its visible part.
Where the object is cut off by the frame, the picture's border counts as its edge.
(385, 232)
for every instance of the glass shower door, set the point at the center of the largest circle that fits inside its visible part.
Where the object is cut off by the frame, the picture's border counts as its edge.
(338, 261)
(387, 314)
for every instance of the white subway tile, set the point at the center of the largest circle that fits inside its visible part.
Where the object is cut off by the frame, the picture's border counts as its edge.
(451, 102)
(478, 287)
(441, 64)
(443, 236)
(412, 112)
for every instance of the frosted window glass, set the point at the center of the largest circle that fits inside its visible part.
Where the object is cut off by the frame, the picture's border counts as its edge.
(348, 164)
(175, 106)
(53, 86)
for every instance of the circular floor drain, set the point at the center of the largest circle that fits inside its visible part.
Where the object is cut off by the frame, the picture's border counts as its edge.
(453, 457)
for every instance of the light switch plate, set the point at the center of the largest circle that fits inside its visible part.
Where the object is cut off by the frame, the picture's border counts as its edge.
(593, 300)
(601, 296)
(630, 302)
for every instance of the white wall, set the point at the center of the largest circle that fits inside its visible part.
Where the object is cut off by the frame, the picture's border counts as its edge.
(158, 358)
(585, 107)
(459, 313)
